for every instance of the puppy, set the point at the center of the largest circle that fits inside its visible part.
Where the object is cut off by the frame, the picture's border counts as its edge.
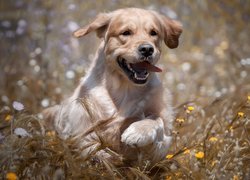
(121, 104)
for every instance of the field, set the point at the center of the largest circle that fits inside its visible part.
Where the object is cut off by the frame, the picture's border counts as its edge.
(208, 75)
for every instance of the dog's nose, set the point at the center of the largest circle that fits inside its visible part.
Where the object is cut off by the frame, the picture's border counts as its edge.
(146, 50)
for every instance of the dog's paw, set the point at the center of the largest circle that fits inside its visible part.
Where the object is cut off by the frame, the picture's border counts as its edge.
(140, 133)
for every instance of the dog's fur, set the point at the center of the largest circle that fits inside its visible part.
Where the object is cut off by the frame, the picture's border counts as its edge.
(108, 108)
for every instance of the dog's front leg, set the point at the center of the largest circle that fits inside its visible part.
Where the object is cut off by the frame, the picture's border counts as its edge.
(144, 132)
(156, 127)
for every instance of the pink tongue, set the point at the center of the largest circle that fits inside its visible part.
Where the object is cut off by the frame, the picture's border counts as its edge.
(147, 66)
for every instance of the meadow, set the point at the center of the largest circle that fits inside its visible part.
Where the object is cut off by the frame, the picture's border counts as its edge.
(208, 74)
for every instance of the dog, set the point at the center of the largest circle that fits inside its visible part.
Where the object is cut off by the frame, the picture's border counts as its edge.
(121, 103)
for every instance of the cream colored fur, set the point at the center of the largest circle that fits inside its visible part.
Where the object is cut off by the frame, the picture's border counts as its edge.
(107, 109)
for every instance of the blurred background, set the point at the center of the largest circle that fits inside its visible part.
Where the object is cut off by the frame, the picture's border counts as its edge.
(41, 62)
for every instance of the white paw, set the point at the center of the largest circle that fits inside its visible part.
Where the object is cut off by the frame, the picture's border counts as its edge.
(139, 134)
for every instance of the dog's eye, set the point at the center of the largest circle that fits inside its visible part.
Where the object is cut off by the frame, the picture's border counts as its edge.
(126, 33)
(153, 33)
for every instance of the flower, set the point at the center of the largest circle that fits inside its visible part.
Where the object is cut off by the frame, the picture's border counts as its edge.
(189, 109)
(187, 151)
(199, 155)
(240, 114)
(11, 176)
(18, 106)
(180, 120)
(45, 102)
(235, 177)
(51, 133)
(70, 74)
(248, 97)
(214, 162)
(8, 117)
(169, 156)
(168, 177)
(21, 132)
(213, 139)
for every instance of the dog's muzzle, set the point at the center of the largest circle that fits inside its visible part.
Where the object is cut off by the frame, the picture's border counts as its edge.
(137, 72)
(146, 50)
(138, 75)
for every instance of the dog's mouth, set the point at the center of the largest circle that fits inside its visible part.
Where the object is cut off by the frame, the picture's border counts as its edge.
(137, 72)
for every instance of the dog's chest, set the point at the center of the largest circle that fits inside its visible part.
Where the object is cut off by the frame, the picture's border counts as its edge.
(129, 103)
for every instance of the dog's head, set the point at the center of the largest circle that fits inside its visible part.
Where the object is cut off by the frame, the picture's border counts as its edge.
(132, 40)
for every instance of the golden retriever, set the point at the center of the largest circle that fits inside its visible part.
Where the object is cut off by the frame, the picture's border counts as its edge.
(121, 104)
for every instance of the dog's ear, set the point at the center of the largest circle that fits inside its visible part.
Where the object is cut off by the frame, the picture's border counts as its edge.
(99, 25)
(172, 31)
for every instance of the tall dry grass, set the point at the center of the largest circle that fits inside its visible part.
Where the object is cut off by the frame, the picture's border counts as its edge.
(211, 142)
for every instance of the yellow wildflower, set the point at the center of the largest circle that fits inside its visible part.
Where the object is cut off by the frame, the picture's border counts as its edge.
(168, 177)
(213, 163)
(189, 109)
(187, 151)
(11, 176)
(240, 114)
(8, 117)
(235, 177)
(213, 139)
(51, 133)
(169, 156)
(248, 97)
(199, 155)
(180, 120)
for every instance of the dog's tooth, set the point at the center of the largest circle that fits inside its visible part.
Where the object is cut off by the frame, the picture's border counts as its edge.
(138, 78)
(135, 75)
(129, 67)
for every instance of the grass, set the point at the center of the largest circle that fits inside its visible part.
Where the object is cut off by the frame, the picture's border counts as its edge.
(210, 67)
(211, 142)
